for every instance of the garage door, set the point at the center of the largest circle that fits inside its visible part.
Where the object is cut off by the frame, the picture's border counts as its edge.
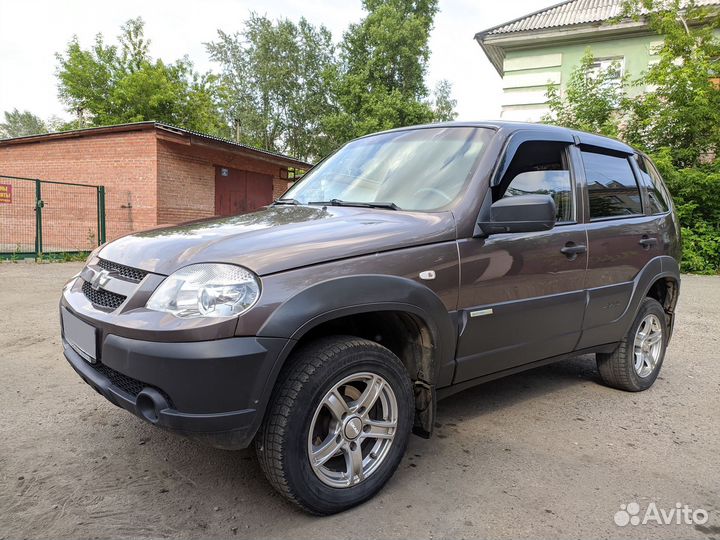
(239, 191)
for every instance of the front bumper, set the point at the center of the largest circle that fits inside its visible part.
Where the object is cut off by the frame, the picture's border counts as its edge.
(210, 391)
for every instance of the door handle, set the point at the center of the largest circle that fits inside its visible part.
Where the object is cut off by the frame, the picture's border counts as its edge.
(647, 242)
(572, 250)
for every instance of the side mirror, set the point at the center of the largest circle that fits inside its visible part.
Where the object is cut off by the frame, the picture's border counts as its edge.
(520, 213)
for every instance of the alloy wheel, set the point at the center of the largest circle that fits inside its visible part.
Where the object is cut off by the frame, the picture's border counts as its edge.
(648, 345)
(352, 430)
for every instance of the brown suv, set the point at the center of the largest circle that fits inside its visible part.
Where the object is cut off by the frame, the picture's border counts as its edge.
(406, 266)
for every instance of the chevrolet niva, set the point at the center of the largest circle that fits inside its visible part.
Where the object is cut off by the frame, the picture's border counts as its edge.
(406, 266)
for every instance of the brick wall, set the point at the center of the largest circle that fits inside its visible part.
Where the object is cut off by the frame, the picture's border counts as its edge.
(186, 178)
(186, 185)
(125, 163)
(280, 186)
(151, 178)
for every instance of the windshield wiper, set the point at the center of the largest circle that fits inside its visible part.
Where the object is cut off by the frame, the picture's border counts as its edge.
(340, 202)
(294, 202)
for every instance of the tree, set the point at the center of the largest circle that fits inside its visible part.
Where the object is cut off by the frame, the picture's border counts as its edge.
(682, 113)
(21, 124)
(380, 80)
(443, 102)
(274, 76)
(676, 118)
(696, 197)
(591, 100)
(107, 84)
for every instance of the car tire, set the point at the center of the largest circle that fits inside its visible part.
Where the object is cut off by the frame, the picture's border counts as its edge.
(337, 425)
(636, 363)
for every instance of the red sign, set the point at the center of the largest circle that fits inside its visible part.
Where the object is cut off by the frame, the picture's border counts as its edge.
(5, 193)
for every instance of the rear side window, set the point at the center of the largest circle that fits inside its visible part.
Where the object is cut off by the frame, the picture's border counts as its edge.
(612, 188)
(658, 200)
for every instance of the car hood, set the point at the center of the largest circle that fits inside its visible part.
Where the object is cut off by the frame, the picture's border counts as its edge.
(278, 238)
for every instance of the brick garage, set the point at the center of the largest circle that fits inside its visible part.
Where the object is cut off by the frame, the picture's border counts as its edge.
(153, 174)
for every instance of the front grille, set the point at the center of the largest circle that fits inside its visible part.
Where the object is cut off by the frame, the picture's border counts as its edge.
(125, 383)
(131, 274)
(101, 297)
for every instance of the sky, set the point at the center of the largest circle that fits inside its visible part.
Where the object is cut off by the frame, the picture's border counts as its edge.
(32, 31)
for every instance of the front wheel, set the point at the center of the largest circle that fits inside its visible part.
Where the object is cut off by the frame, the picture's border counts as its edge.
(636, 363)
(337, 425)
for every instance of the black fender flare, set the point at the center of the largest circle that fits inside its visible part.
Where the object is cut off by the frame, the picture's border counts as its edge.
(350, 295)
(660, 267)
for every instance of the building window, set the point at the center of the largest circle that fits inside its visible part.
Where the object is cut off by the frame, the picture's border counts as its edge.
(612, 68)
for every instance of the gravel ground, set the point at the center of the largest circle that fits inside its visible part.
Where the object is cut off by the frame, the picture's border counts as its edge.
(549, 453)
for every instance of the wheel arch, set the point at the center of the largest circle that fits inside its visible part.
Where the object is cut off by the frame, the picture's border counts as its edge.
(665, 288)
(662, 269)
(370, 302)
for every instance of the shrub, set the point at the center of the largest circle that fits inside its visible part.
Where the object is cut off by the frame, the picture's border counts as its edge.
(696, 194)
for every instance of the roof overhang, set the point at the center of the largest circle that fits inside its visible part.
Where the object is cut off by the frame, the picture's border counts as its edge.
(495, 46)
(168, 133)
(196, 139)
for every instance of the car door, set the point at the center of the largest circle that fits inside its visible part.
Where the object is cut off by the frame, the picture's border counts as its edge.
(522, 295)
(622, 238)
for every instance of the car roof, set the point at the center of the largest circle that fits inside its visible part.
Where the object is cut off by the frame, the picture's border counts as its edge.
(508, 127)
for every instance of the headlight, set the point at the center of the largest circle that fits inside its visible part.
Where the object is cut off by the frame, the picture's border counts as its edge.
(207, 290)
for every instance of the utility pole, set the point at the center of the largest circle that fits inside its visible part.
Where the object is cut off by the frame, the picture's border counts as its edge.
(237, 130)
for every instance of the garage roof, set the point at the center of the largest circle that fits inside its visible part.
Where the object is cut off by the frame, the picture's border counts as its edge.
(160, 127)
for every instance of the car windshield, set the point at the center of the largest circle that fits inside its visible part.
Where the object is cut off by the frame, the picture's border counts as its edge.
(419, 169)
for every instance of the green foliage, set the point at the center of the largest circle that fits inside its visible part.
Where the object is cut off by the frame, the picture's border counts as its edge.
(21, 124)
(72, 256)
(676, 118)
(291, 91)
(275, 84)
(283, 86)
(443, 102)
(696, 195)
(683, 112)
(15, 257)
(590, 100)
(679, 121)
(107, 84)
(379, 82)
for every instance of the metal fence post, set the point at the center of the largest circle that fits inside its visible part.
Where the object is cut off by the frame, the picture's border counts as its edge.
(101, 214)
(38, 220)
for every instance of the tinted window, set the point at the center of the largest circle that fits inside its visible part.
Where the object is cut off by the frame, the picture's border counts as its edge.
(657, 197)
(612, 188)
(539, 167)
(553, 183)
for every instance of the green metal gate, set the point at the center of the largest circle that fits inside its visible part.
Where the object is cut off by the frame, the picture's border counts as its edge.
(47, 219)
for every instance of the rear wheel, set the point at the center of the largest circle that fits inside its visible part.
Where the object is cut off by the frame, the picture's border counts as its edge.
(636, 363)
(337, 425)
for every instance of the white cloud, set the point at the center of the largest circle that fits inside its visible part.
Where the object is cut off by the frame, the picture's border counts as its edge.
(32, 31)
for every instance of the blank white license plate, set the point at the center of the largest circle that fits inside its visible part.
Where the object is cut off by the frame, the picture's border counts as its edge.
(80, 335)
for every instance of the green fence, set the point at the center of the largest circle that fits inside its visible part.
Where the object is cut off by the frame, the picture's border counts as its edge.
(47, 219)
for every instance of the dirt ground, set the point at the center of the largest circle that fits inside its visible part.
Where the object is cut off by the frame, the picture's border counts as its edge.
(545, 454)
